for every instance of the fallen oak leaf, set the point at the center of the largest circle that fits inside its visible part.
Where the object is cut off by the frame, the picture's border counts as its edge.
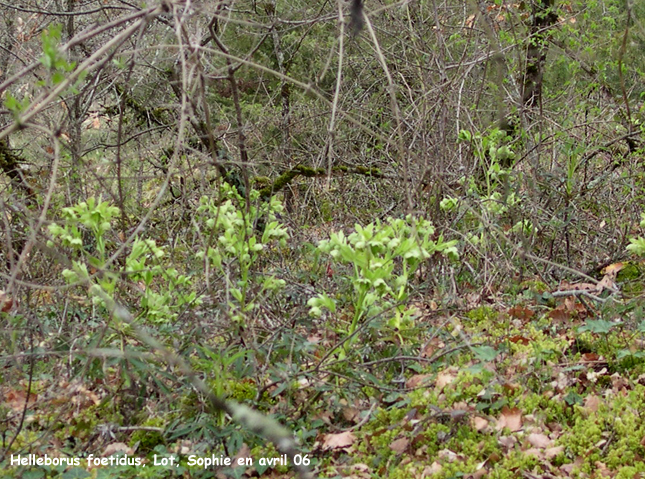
(591, 403)
(338, 441)
(479, 423)
(510, 418)
(400, 445)
(445, 377)
(541, 441)
(521, 312)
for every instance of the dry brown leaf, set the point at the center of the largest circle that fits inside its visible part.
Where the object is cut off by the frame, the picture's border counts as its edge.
(431, 347)
(521, 312)
(481, 472)
(559, 314)
(507, 442)
(479, 423)
(618, 382)
(358, 471)
(117, 447)
(400, 445)
(510, 418)
(510, 387)
(473, 300)
(324, 416)
(590, 357)
(551, 452)
(448, 455)
(338, 441)
(606, 283)
(602, 470)
(445, 377)
(417, 380)
(81, 396)
(541, 441)
(534, 451)
(570, 304)
(16, 399)
(431, 470)
(184, 447)
(592, 402)
(519, 340)
(612, 270)
(6, 302)
(351, 414)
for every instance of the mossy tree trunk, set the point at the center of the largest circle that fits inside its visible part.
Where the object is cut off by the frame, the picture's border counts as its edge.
(544, 17)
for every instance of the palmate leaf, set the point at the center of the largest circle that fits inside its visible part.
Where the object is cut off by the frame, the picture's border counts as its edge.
(485, 353)
(598, 326)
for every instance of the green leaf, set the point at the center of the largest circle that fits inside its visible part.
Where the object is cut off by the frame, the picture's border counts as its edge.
(485, 353)
(75, 473)
(573, 398)
(599, 326)
(637, 246)
(464, 135)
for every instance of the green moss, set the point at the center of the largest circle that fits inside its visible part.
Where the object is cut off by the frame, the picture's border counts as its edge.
(84, 424)
(483, 314)
(631, 472)
(260, 181)
(473, 444)
(327, 209)
(386, 417)
(518, 461)
(368, 171)
(465, 387)
(545, 408)
(287, 177)
(534, 285)
(630, 272)
(280, 182)
(148, 440)
(617, 417)
(421, 398)
(242, 390)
